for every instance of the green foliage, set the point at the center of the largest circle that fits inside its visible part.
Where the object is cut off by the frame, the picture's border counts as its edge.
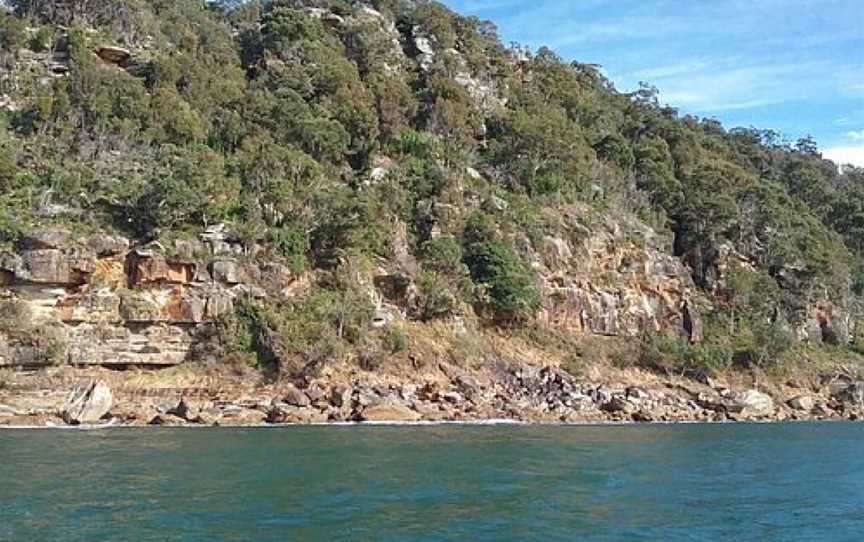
(656, 174)
(298, 337)
(105, 101)
(394, 340)
(677, 355)
(436, 20)
(8, 171)
(542, 149)
(444, 280)
(442, 254)
(329, 110)
(349, 222)
(12, 34)
(510, 289)
(750, 319)
(450, 111)
(173, 120)
(189, 186)
(42, 40)
(239, 333)
(11, 229)
(280, 181)
(293, 243)
(616, 149)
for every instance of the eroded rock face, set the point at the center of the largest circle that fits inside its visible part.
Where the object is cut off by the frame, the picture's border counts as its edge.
(621, 280)
(480, 86)
(87, 403)
(115, 305)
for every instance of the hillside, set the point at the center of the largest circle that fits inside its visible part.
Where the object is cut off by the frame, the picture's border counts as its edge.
(380, 194)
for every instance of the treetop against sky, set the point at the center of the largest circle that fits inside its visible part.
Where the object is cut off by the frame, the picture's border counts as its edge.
(792, 65)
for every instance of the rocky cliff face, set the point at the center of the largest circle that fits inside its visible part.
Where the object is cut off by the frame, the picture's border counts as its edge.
(620, 280)
(98, 300)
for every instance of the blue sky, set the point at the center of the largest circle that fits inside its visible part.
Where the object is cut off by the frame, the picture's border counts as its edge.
(796, 66)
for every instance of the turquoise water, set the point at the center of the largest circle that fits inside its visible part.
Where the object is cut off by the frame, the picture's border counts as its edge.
(670, 483)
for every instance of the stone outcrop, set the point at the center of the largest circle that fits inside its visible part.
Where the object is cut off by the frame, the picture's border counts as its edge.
(109, 303)
(848, 393)
(803, 403)
(619, 280)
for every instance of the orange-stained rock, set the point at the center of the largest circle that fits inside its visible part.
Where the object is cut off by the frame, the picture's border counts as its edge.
(109, 272)
(172, 311)
(180, 273)
(619, 280)
(149, 268)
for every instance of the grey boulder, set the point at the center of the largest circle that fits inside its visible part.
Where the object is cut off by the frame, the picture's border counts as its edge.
(87, 403)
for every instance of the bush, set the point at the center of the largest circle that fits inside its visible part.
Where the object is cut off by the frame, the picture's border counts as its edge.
(509, 284)
(394, 340)
(435, 297)
(43, 39)
(8, 170)
(614, 148)
(762, 344)
(678, 355)
(443, 255)
(292, 243)
(12, 34)
(238, 332)
(189, 186)
(296, 338)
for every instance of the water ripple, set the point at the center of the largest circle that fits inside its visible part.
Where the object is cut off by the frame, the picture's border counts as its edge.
(673, 483)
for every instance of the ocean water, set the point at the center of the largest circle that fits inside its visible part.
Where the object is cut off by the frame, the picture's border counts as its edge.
(503, 483)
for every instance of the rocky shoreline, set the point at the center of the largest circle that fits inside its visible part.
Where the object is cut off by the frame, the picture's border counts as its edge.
(523, 395)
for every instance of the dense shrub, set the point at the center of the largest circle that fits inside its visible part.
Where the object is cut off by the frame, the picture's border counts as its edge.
(510, 289)
(297, 337)
(680, 356)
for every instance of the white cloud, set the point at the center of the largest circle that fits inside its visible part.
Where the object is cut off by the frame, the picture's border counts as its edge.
(856, 136)
(712, 85)
(849, 154)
